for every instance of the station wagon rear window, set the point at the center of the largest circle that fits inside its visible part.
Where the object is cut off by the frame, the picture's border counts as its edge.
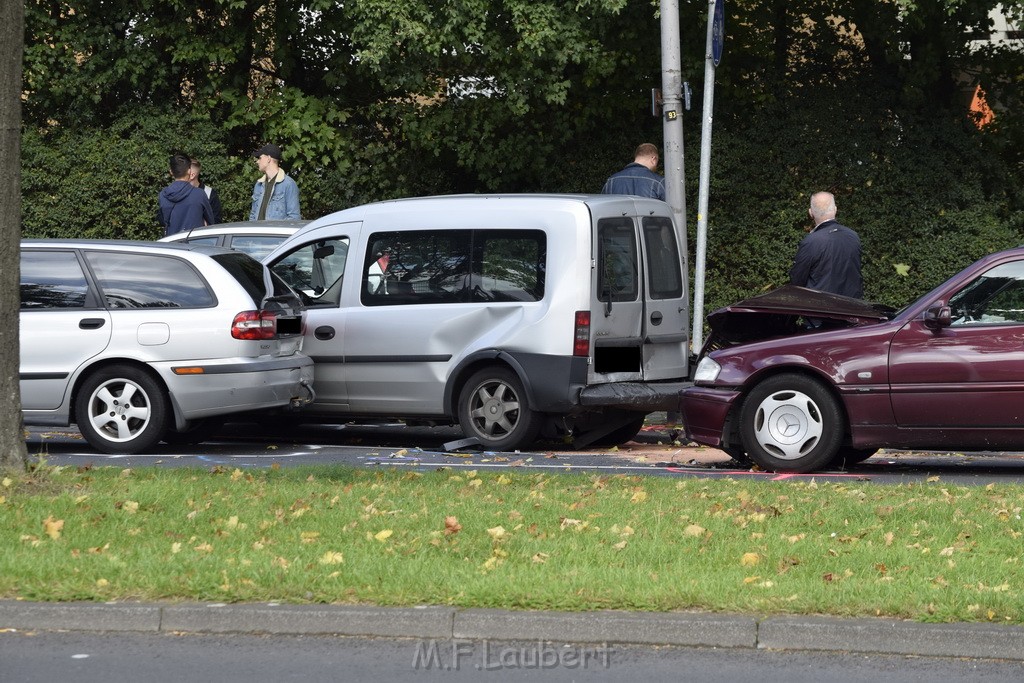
(454, 266)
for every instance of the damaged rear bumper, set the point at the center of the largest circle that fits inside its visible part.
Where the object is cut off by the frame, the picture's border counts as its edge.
(645, 397)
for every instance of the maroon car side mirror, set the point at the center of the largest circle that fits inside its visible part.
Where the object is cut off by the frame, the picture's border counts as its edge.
(937, 317)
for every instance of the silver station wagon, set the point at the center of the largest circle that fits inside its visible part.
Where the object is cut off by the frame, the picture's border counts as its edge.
(138, 342)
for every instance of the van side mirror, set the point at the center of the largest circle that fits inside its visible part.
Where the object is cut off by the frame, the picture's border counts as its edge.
(937, 317)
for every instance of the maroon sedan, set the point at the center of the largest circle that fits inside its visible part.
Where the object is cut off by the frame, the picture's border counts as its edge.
(797, 380)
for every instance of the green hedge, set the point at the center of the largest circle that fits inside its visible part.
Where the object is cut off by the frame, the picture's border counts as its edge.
(928, 196)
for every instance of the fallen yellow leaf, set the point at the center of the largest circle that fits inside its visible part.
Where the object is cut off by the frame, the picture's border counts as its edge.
(383, 535)
(694, 530)
(331, 557)
(750, 559)
(52, 527)
(497, 533)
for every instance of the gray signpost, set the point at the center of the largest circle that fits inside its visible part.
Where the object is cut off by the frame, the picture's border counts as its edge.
(715, 40)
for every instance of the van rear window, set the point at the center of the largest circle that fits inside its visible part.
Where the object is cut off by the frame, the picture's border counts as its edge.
(454, 266)
(617, 260)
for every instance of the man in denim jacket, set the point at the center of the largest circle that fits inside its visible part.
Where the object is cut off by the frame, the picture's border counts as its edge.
(275, 196)
(638, 178)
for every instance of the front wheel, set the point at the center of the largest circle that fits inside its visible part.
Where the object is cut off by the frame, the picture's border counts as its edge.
(791, 423)
(494, 408)
(121, 410)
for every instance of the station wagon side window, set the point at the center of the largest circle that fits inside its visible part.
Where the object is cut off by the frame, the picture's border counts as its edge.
(129, 280)
(994, 297)
(617, 263)
(52, 279)
(454, 266)
(664, 274)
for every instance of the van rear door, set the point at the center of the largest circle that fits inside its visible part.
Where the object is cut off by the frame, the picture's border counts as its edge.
(666, 305)
(617, 306)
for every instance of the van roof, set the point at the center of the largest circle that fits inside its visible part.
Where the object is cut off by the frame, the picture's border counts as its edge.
(506, 201)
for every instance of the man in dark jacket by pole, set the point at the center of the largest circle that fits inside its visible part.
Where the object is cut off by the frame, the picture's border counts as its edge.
(182, 206)
(638, 178)
(828, 259)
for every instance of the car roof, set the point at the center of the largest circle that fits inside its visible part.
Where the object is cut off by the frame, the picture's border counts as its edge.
(284, 228)
(124, 245)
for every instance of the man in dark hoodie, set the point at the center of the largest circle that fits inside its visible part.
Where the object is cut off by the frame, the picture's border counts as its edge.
(182, 206)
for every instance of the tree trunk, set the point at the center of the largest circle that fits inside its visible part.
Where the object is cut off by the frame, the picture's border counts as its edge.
(13, 454)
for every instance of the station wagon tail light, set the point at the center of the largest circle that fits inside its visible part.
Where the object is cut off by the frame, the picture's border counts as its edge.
(254, 325)
(581, 335)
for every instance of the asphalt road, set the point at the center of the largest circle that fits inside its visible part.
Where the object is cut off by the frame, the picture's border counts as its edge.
(656, 452)
(105, 657)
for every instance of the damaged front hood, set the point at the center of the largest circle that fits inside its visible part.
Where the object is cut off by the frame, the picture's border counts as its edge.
(790, 310)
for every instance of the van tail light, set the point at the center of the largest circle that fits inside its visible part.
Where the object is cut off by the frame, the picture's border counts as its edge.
(581, 335)
(254, 325)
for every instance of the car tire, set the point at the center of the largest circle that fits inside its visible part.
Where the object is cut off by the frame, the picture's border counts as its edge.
(791, 423)
(494, 408)
(121, 410)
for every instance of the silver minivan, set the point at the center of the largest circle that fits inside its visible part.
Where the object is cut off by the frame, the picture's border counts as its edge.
(514, 316)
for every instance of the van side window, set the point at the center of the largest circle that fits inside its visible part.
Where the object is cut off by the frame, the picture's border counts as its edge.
(664, 276)
(453, 266)
(616, 260)
(511, 265)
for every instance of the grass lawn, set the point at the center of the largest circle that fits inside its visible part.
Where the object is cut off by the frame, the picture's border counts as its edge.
(930, 552)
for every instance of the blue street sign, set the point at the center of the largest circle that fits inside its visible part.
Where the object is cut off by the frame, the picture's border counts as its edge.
(718, 32)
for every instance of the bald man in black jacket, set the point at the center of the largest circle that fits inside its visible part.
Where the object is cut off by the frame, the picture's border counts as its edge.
(828, 259)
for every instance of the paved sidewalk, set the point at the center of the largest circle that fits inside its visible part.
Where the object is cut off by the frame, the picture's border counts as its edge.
(696, 629)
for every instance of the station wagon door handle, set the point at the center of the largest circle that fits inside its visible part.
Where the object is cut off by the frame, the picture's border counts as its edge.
(91, 323)
(656, 318)
(324, 333)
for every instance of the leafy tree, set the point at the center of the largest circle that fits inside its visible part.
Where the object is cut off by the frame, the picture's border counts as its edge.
(13, 454)
(375, 99)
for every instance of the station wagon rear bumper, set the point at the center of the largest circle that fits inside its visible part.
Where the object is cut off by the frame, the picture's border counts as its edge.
(234, 386)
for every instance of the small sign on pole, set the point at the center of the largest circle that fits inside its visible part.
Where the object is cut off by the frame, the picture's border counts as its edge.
(718, 32)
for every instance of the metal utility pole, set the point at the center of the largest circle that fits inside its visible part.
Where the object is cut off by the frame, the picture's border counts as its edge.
(716, 36)
(672, 117)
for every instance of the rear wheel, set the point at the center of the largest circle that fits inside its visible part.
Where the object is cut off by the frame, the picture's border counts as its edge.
(494, 408)
(791, 423)
(121, 409)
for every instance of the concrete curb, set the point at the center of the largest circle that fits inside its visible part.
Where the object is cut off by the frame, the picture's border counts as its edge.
(695, 629)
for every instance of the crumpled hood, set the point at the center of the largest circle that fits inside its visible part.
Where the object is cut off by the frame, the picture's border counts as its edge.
(784, 311)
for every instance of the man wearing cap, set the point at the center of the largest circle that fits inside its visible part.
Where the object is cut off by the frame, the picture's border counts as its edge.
(275, 196)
